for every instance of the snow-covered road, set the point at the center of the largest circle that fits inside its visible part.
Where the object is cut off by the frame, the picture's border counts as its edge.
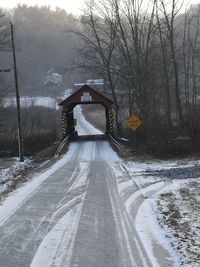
(84, 211)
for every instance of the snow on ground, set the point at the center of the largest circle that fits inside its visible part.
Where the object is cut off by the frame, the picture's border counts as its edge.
(109, 154)
(10, 168)
(149, 222)
(58, 243)
(179, 209)
(156, 165)
(61, 234)
(176, 207)
(83, 126)
(152, 233)
(16, 198)
(173, 212)
(138, 204)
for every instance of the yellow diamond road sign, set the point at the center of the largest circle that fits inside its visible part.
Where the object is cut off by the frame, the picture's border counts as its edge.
(133, 122)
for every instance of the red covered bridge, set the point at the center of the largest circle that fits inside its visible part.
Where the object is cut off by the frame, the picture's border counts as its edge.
(84, 96)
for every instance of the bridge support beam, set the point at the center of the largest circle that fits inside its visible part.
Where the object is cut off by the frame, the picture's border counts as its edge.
(109, 121)
(68, 126)
(65, 130)
(70, 118)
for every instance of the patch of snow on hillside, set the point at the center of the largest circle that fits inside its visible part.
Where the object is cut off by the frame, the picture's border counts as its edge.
(9, 174)
(26, 102)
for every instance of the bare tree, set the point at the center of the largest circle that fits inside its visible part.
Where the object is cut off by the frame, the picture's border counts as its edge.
(168, 18)
(193, 43)
(4, 46)
(190, 58)
(165, 65)
(100, 42)
(186, 50)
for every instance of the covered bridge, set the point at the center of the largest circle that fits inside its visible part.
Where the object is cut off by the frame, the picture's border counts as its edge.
(84, 96)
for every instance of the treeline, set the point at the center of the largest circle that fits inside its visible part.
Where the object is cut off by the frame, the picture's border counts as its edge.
(148, 54)
(42, 46)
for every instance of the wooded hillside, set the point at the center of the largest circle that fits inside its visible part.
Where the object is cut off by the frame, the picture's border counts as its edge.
(148, 56)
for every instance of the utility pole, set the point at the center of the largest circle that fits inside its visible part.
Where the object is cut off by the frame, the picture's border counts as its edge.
(20, 142)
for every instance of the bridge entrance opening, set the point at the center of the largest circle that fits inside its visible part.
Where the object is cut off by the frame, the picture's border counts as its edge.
(71, 108)
(90, 119)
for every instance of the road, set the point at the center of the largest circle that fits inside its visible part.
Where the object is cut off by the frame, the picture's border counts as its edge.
(76, 217)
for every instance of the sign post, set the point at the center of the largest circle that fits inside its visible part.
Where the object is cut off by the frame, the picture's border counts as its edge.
(134, 122)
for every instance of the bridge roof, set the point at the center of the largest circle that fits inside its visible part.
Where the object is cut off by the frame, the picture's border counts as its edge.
(86, 95)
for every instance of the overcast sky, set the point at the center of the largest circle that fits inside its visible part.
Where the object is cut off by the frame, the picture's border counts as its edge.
(72, 6)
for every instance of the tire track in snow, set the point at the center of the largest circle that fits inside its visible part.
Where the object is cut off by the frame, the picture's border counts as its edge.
(57, 246)
(134, 197)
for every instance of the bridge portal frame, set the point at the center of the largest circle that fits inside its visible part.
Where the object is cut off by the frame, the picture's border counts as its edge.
(84, 96)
